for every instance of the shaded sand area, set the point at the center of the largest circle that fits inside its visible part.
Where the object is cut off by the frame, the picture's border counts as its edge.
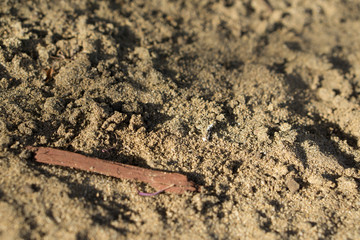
(256, 101)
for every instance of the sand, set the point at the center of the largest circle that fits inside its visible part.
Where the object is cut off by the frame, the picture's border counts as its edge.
(256, 101)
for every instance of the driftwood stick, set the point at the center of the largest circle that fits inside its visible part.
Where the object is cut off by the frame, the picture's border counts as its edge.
(156, 179)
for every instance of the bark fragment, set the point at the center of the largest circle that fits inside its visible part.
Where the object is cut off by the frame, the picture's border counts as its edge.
(157, 179)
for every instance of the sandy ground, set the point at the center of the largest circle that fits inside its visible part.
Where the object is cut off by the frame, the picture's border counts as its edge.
(257, 101)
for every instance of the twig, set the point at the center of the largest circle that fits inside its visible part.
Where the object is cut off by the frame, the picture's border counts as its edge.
(159, 180)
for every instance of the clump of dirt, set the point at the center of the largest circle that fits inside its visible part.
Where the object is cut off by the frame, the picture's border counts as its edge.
(256, 101)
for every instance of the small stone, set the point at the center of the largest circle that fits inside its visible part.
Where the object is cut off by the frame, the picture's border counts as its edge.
(292, 185)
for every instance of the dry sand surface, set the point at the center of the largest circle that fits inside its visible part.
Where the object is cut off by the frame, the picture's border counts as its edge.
(256, 101)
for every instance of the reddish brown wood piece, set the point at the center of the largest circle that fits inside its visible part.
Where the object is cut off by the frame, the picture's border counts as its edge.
(156, 179)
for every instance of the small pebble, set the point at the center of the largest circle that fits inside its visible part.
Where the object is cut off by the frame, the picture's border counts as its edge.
(292, 185)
